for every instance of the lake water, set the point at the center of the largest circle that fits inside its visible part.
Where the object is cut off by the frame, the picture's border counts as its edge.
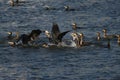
(85, 63)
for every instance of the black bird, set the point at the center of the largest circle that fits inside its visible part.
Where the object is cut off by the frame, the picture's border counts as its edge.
(56, 36)
(26, 39)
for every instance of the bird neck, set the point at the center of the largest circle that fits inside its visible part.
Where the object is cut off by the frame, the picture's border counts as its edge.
(98, 37)
(74, 27)
(81, 40)
(12, 2)
(105, 34)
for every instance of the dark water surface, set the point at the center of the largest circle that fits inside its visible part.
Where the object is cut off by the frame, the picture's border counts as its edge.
(86, 63)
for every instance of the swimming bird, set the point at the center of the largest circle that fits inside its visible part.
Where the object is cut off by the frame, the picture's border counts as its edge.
(105, 35)
(27, 39)
(76, 39)
(82, 42)
(67, 8)
(101, 41)
(63, 43)
(55, 36)
(75, 27)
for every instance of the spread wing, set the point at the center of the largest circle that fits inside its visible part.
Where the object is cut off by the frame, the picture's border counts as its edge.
(55, 32)
(55, 29)
(61, 35)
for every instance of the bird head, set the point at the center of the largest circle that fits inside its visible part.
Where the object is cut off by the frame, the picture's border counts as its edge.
(47, 33)
(74, 36)
(9, 33)
(104, 30)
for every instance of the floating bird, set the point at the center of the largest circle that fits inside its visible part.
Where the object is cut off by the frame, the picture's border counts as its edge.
(75, 27)
(49, 7)
(82, 42)
(52, 43)
(26, 39)
(67, 8)
(55, 37)
(100, 41)
(76, 39)
(56, 34)
(105, 35)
